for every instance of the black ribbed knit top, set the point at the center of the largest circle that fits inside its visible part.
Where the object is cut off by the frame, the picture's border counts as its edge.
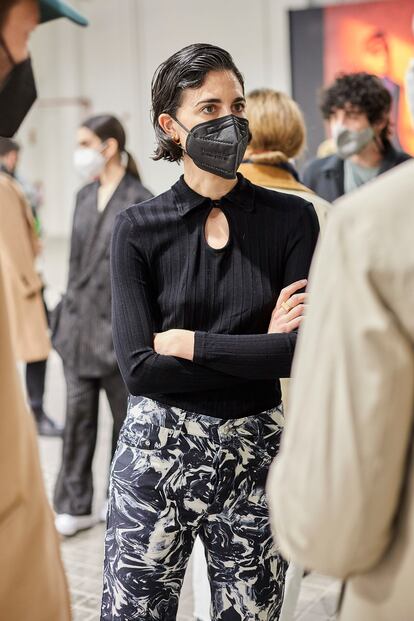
(165, 275)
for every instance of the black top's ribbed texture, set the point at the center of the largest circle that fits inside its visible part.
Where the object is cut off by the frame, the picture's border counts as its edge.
(164, 275)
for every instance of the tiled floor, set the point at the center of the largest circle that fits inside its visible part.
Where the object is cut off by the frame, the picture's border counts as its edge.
(83, 554)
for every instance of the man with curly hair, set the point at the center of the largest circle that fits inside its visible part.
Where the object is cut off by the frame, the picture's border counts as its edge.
(357, 107)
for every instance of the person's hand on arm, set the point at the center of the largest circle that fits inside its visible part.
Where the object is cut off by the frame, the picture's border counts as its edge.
(289, 310)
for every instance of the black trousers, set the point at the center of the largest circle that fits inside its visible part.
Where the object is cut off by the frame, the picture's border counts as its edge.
(74, 485)
(35, 383)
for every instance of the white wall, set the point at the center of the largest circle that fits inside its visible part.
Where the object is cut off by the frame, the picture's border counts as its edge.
(110, 65)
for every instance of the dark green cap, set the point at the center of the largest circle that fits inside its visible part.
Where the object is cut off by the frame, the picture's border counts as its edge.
(52, 9)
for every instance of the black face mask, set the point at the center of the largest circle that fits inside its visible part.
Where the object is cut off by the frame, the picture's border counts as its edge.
(218, 146)
(17, 95)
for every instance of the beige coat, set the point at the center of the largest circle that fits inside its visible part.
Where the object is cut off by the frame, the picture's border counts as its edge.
(342, 490)
(32, 582)
(18, 248)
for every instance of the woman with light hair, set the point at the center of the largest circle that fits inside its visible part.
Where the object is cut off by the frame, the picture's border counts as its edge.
(278, 138)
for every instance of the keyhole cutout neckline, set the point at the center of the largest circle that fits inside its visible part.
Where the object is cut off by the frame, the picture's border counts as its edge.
(216, 228)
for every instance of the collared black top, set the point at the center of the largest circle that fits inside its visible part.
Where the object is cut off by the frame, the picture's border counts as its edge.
(165, 275)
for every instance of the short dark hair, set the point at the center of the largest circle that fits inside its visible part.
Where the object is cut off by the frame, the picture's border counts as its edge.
(187, 68)
(7, 145)
(362, 90)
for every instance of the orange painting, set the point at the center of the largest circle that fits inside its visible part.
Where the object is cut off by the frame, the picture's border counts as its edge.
(377, 38)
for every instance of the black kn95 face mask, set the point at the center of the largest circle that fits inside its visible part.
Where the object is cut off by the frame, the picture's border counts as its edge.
(218, 146)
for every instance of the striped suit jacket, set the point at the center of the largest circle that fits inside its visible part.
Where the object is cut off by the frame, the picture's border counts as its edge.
(81, 324)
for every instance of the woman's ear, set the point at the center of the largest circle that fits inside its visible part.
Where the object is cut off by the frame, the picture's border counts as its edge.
(167, 124)
(111, 148)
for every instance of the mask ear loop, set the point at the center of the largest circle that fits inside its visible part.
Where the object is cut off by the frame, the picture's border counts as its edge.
(180, 124)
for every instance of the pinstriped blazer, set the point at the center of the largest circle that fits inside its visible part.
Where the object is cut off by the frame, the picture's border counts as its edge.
(81, 328)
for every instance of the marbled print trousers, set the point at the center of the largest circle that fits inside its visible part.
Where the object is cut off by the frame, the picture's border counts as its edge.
(177, 474)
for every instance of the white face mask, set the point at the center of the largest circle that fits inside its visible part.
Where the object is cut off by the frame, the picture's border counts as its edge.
(88, 162)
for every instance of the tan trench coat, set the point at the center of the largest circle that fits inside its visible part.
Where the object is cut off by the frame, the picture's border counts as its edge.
(32, 582)
(22, 284)
(341, 492)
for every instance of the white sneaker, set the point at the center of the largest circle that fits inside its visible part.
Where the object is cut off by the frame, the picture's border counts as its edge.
(103, 512)
(69, 525)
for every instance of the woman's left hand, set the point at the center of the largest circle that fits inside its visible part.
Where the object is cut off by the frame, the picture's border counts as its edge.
(179, 343)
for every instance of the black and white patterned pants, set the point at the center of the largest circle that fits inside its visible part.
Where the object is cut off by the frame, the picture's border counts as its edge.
(176, 474)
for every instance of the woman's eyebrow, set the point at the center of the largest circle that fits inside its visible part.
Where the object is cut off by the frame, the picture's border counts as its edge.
(205, 101)
(217, 100)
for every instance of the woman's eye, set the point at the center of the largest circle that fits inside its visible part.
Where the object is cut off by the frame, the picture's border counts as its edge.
(239, 107)
(208, 109)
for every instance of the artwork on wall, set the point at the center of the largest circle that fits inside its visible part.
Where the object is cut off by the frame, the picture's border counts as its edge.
(376, 37)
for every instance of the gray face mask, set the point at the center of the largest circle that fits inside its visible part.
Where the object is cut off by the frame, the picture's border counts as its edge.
(350, 142)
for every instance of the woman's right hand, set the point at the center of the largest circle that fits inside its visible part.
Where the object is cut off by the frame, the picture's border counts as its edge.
(290, 307)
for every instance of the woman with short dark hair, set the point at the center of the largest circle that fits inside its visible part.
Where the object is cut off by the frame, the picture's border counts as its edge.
(208, 285)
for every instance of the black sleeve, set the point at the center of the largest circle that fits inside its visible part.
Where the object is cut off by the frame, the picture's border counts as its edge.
(263, 356)
(144, 371)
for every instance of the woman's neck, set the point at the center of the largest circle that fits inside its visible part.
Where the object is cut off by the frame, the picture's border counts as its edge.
(205, 183)
(112, 173)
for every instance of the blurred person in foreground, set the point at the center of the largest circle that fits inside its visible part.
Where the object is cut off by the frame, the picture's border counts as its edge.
(357, 107)
(20, 246)
(81, 324)
(342, 490)
(32, 581)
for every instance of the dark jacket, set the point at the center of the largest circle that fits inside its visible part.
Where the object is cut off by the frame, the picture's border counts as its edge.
(81, 325)
(325, 176)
